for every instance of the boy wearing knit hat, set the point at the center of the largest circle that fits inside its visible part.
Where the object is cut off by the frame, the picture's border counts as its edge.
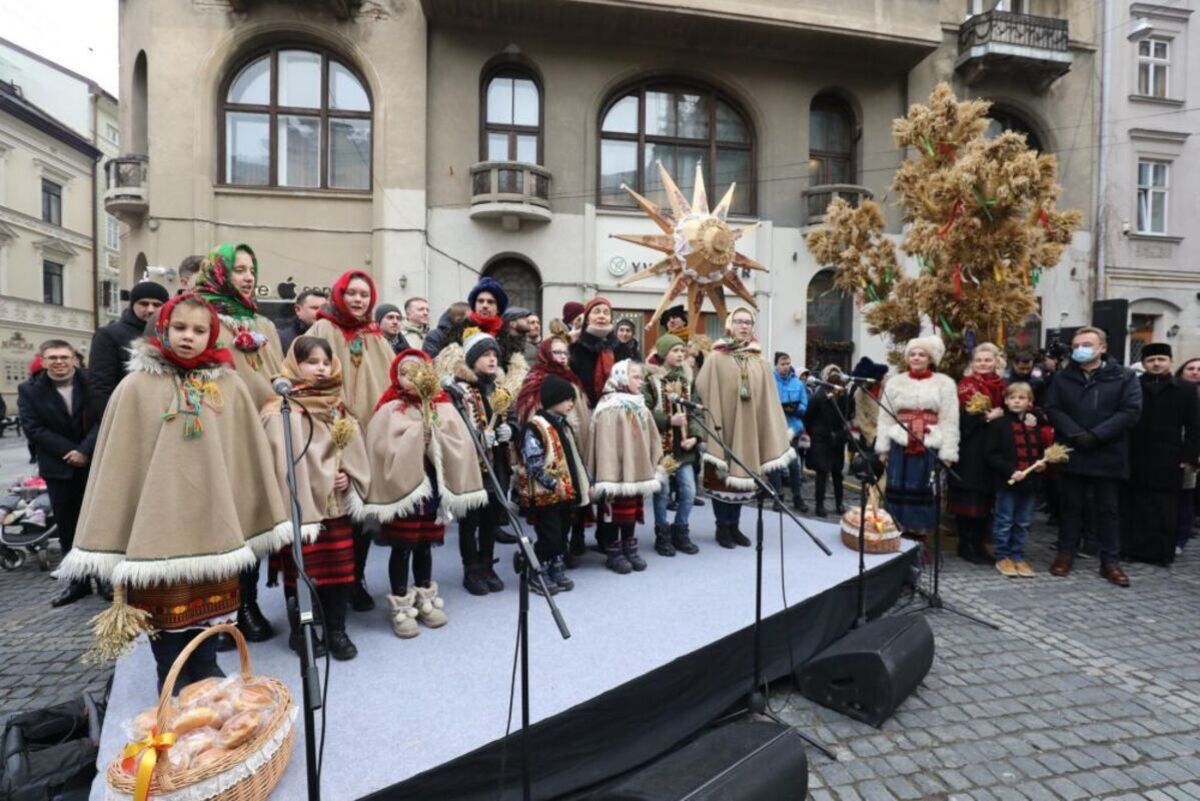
(551, 480)
(108, 355)
(681, 437)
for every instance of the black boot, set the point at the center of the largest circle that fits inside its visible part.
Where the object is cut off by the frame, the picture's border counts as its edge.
(738, 537)
(630, 549)
(617, 561)
(360, 597)
(546, 585)
(253, 625)
(662, 541)
(799, 505)
(296, 637)
(334, 601)
(681, 539)
(493, 582)
(558, 574)
(74, 591)
(820, 510)
(505, 537)
(473, 580)
(725, 536)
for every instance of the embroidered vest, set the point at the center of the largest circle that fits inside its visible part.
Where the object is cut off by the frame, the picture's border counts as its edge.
(532, 493)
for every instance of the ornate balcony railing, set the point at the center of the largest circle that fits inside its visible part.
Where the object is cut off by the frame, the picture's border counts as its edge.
(127, 192)
(996, 42)
(1006, 27)
(818, 198)
(510, 191)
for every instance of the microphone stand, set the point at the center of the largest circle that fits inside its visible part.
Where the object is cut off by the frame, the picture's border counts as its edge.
(310, 680)
(529, 569)
(756, 700)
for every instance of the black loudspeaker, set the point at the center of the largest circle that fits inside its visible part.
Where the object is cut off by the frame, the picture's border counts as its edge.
(1112, 316)
(869, 672)
(737, 762)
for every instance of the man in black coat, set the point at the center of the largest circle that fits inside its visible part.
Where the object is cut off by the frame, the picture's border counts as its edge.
(109, 353)
(59, 413)
(1166, 437)
(306, 308)
(1093, 403)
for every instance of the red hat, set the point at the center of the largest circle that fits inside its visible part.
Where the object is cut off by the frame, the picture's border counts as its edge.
(571, 309)
(599, 300)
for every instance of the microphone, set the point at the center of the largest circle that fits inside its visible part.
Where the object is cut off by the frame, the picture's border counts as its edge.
(675, 397)
(813, 381)
(862, 380)
(282, 386)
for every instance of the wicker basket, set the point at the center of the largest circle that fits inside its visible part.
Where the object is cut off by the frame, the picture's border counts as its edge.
(256, 786)
(877, 545)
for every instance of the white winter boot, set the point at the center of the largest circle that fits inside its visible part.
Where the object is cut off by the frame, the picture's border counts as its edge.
(429, 606)
(404, 614)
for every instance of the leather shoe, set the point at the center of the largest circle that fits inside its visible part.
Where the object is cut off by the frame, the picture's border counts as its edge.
(75, 590)
(253, 625)
(225, 643)
(1062, 564)
(1113, 572)
(738, 537)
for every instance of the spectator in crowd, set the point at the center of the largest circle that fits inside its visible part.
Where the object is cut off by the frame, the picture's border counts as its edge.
(675, 320)
(487, 302)
(449, 329)
(627, 344)
(827, 436)
(535, 329)
(1093, 404)
(1189, 373)
(387, 317)
(306, 307)
(1165, 441)
(514, 339)
(593, 352)
(59, 414)
(109, 353)
(187, 272)
(416, 322)
(794, 397)
(572, 317)
(1022, 369)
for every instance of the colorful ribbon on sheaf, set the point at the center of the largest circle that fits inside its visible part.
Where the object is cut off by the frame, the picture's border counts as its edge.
(145, 751)
(1035, 275)
(1044, 219)
(953, 216)
(948, 150)
(958, 288)
(927, 146)
(983, 202)
(945, 325)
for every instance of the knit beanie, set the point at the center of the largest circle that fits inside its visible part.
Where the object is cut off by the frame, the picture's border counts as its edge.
(492, 286)
(555, 390)
(383, 309)
(148, 290)
(599, 300)
(664, 343)
(570, 310)
(478, 344)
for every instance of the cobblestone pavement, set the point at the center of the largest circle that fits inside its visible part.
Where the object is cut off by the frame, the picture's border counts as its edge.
(1088, 691)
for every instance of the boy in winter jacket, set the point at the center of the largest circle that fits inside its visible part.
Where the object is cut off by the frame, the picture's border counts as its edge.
(1012, 445)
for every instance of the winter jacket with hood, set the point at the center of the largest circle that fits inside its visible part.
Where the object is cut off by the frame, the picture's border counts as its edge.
(794, 397)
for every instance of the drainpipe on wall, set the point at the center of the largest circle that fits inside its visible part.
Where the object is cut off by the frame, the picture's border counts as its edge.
(95, 216)
(1100, 229)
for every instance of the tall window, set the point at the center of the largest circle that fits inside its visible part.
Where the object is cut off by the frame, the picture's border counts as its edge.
(1154, 62)
(51, 202)
(296, 118)
(679, 125)
(830, 142)
(52, 283)
(512, 117)
(112, 232)
(1152, 197)
(112, 133)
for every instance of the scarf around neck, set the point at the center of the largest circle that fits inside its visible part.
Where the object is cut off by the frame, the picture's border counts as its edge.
(321, 399)
(214, 282)
(489, 325)
(990, 385)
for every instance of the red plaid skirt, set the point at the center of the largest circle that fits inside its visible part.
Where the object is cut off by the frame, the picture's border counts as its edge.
(412, 530)
(622, 511)
(328, 561)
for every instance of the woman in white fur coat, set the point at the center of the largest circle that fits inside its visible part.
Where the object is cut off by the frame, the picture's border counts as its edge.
(927, 404)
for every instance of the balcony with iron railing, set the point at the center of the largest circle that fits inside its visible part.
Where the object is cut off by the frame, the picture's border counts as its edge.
(817, 199)
(1007, 44)
(127, 193)
(510, 191)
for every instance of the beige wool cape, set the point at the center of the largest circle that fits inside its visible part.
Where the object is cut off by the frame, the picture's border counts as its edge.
(625, 447)
(257, 368)
(397, 449)
(751, 422)
(162, 508)
(363, 384)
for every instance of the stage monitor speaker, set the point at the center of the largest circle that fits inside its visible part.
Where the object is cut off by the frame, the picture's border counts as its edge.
(753, 761)
(1113, 317)
(869, 672)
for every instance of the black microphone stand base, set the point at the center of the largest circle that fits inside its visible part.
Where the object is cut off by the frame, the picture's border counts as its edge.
(934, 603)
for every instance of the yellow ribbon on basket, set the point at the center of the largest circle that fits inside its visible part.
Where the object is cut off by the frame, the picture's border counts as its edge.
(146, 753)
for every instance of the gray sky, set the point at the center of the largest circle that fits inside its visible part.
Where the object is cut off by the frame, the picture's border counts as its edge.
(81, 35)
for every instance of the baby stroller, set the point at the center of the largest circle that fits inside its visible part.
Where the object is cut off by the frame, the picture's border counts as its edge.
(26, 524)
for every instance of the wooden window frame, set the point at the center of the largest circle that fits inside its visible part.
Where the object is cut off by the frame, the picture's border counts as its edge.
(674, 86)
(1149, 190)
(273, 111)
(826, 158)
(57, 192)
(511, 130)
(62, 282)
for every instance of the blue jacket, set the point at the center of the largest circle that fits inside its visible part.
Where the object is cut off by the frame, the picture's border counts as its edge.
(794, 398)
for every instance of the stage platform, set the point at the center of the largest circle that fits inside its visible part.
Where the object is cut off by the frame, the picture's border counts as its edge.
(653, 658)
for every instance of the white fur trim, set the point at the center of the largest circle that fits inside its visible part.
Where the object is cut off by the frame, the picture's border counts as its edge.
(720, 464)
(309, 532)
(937, 393)
(625, 489)
(353, 504)
(780, 462)
(459, 505)
(80, 564)
(186, 569)
(272, 540)
(144, 358)
(387, 512)
(743, 484)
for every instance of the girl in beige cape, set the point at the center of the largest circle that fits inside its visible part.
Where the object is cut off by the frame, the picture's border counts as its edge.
(332, 476)
(410, 495)
(348, 324)
(739, 391)
(623, 458)
(179, 499)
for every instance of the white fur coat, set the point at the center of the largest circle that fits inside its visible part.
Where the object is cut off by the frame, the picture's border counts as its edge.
(936, 393)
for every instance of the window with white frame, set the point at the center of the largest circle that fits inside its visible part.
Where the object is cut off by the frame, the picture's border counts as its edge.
(980, 6)
(1154, 63)
(112, 133)
(112, 234)
(1152, 197)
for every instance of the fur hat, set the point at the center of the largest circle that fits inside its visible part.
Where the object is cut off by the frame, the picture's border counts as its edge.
(515, 313)
(492, 286)
(570, 310)
(664, 343)
(866, 368)
(931, 344)
(555, 390)
(1156, 349)
(675, 311)
(478, 344)
(148, 290)
(384, 309)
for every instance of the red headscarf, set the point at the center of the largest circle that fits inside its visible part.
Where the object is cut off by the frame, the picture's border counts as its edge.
(529, 398)
(406, 396)
(161, 340)
(336, 312)
(990, 385)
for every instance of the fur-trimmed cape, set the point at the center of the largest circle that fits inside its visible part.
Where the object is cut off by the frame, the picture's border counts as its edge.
(937, 393)
(625, 448)
(162, 507)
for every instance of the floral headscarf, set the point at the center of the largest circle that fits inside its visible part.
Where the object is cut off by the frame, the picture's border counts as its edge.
(397, 392)
(214, 282)
(336, 311)
(160, 340)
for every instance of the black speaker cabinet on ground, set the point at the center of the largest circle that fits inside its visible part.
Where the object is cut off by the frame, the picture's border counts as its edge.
(869, 672)
(1112, 317)
(737, 762)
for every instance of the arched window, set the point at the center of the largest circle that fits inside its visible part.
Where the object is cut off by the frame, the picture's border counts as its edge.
(831, 142)
(520, 280)
(296, 118)
(1001, 120)
(512, 117)
(139, 142)
(829, 316)
(678, 124)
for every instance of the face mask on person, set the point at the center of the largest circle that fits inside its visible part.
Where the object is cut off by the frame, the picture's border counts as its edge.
(1083, 354)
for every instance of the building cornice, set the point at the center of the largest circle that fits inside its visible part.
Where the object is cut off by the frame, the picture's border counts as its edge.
(1159, 11)
(22, 312)
(45, 229)
(1159, 101)
(1158, 135)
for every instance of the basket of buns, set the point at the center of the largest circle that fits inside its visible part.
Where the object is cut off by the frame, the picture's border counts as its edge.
(880, 534)
(226, 739)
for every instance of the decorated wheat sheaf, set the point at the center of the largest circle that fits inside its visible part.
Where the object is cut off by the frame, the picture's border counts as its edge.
(979, 404)
(427, 384)
(669, 464)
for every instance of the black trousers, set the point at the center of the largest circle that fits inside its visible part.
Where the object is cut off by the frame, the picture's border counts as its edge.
(819, 487)
(1099, 496)
(66, 499)
(551, 526)
(477, 536)
(168, 645)
(420, 556)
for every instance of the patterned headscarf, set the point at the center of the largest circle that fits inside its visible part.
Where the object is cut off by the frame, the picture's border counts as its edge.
(529, 396)
(160, 340)
(407, 396)
(337, 313)
(214, 282)
(321, 399)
